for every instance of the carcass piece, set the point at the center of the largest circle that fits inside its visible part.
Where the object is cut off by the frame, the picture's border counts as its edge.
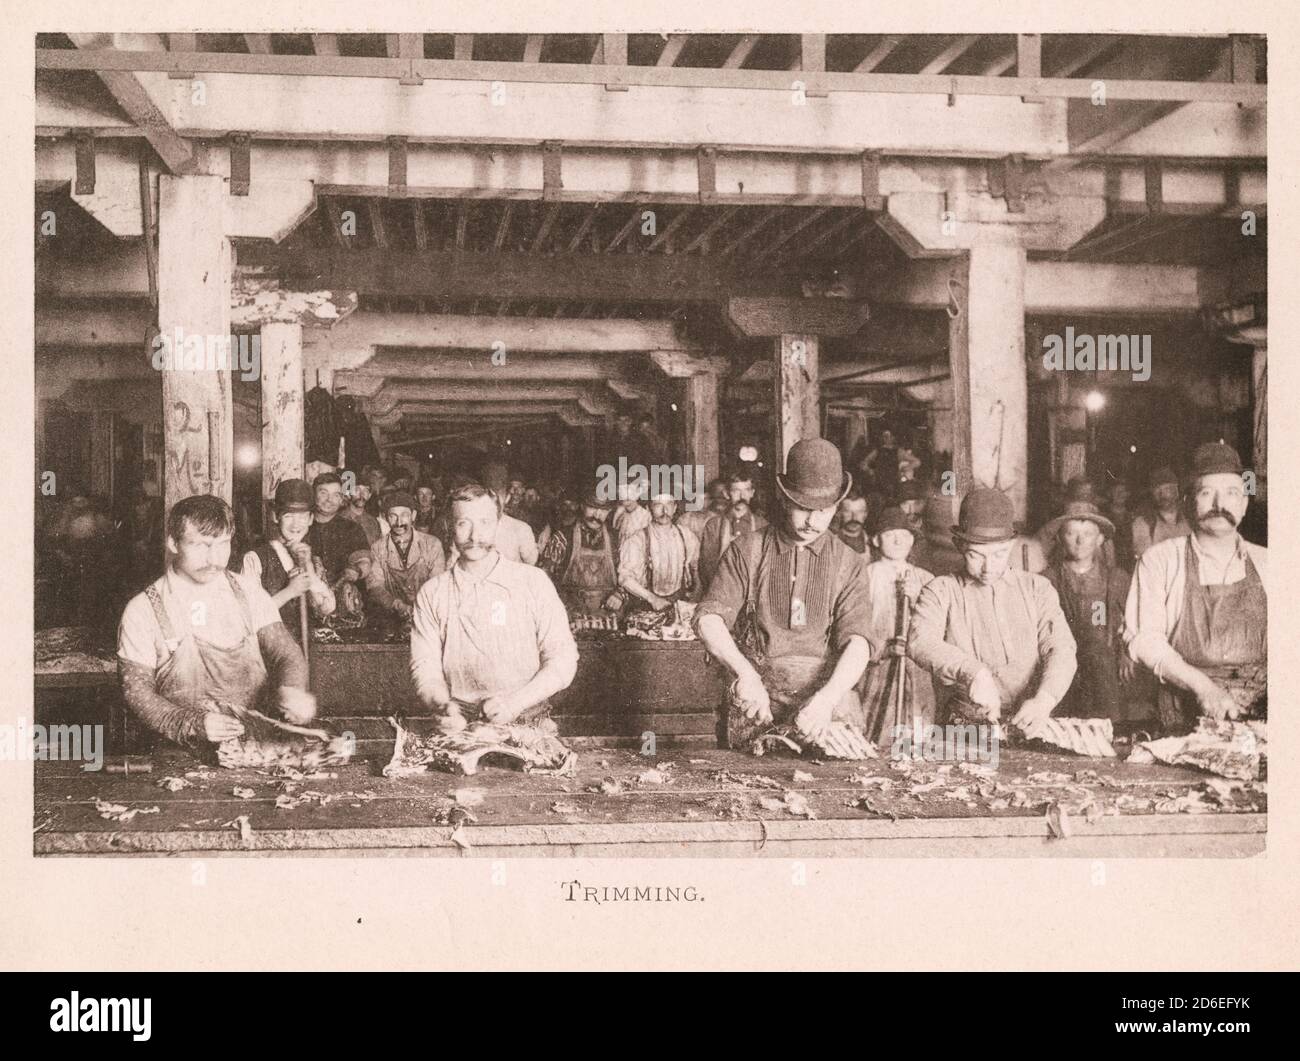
(534, 749)
(267, 743)
(1230, 749)
(1082, 736)
(838, 740)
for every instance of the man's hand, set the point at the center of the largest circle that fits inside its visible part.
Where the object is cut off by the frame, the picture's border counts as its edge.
(659, 603)
(897, 646)
(1215, 701)
(1127, 669)
(299, 583)
(448, 717)
(1032, 714)
(815, 715)
(983, 693)
(218, 727)
(298, 705)
(500, 709)
(750, 695)
(614, 602)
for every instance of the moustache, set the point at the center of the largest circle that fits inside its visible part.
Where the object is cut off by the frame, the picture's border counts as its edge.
(853, 525)
(1221, 513)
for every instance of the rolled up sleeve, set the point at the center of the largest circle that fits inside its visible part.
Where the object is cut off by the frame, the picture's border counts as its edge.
(726, 595)
(1146, 614)
(852, 616)
(555, 644)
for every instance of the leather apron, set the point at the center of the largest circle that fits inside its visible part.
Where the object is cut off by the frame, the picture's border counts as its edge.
(198, 673)
(591, 575)
(1095, 691)
(1223, 632)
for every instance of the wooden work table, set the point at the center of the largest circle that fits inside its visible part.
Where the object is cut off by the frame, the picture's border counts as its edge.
(707, 805)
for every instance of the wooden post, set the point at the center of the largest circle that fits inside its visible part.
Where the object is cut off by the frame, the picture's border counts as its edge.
(282, 405)
(194, 303)
(797, 400)
(101, 453)
(702, 423)
(1259, 434)
(986, 349)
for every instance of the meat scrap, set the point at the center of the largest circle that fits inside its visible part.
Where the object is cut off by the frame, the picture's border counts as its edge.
(1237, 750)
(116, 812)
(268, 743)
(535, 750)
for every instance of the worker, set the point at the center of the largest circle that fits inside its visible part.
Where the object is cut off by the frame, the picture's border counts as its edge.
(893, 541)
(515, 539)
(490, 639)
(333, 538)
(716, 503)
(1160, 518)
(723, 528)
(851, 524)
(202, 636)
(800, 597)
(994, 637)
(1092, 591)
(401, 561)
(426, 511)
(583, 561)
(1197, 613)
(934, 550)
(630, 516)
(660, 564)
(283, 564)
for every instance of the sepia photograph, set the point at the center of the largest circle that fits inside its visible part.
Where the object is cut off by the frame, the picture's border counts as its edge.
(650, 444)
(567, 486)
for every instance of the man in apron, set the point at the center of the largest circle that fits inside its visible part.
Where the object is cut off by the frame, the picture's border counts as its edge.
(401, 562)
(722, 528)
(202, 636)
(797, 597)
(585, 564)
(490, 640)
(1197, 613)
(993, 636)
(659, 564)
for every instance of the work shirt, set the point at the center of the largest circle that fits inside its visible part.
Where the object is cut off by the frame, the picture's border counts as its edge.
(390, 580)
(375, 527)
(335, 542)
(627, 523)
(515, 541)
(695, 521)
(1156, 596)
(674, 552)
(1144, 536)
(210, 610)
(809, 599)
(720, 530)
(477, 637)
(860, 545)
(1014, 627)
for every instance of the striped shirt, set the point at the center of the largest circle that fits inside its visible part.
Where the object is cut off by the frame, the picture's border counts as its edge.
(808, 599)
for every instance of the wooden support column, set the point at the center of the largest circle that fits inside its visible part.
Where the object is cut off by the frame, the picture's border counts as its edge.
(797, 399)
(194, 300)
(101, 453)
(282, 405)
(987, 356)
(702, 423)
(1259, 434)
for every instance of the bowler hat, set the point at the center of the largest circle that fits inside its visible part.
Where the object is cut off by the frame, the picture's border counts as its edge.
(1216, 458)
(893, 518)
(986, 516)
(814, 475)
(294, 495)
(1079, 510)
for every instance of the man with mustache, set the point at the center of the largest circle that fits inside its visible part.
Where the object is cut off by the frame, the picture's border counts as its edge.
(659, 564)
(992, 635)
(797, 597)
(725, 527)
(401, 561)
(1197, 613)
(583, 560)
(201, 635)
(490, 639)
(852, 529)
